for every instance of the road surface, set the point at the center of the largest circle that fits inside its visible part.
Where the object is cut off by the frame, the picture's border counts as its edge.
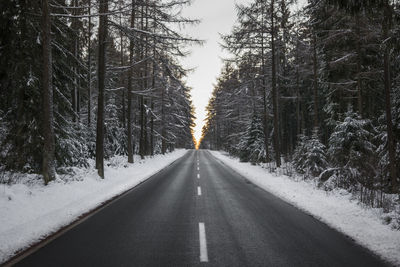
(199, 212)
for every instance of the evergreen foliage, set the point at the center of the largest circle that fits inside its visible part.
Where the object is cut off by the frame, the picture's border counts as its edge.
(337, 70)
(352, 151)
(161, 107)
(310, 157)
(251, 146)
(315, 158)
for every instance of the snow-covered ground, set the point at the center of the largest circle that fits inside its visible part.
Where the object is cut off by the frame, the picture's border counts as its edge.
(30, 211)
(336, 208)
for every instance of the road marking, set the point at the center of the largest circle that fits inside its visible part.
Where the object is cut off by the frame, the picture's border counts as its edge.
(203, 243)
(199, 191)
(198, 168)
(198, 176)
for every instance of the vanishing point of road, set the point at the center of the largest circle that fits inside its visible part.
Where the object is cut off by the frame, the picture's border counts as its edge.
(199, 212)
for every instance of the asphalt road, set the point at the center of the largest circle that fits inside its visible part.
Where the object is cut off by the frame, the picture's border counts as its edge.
(198, 212)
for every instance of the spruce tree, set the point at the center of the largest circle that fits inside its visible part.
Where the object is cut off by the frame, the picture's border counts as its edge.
(352, 151)
(315, 156)
(251, 146)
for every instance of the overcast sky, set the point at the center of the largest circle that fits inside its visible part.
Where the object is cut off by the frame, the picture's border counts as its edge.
(217, 16)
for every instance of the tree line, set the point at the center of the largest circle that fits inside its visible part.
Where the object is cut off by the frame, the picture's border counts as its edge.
(85, 79)
(317, 87)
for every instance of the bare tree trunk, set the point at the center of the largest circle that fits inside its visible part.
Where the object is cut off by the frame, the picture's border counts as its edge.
(274, 91)
(298, 118)
(101, 84)
(282, 72)
(264, 88)
(359, 85)
(141, 143)
(78, 98)
(48, 168)
(146, 79)
(122, 74)
(163, 127)
(153, 84)
(315, 82)
(142, 115)
(74, 92)
(130, 73)
(145, 140)
(89, 107)
(386, 62)
(21, 95)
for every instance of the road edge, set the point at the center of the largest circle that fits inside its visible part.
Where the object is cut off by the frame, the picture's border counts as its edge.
(25, 252)
(372, 253)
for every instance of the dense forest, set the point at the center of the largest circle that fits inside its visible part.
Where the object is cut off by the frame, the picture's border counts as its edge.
(84, 79)
(316, 89)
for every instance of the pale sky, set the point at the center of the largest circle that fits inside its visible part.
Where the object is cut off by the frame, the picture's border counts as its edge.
(217, 16)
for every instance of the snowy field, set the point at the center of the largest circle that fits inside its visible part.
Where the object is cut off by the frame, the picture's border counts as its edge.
(31, 211)
(336, 208)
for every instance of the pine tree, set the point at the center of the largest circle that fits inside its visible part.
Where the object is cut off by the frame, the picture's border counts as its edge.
(299, 154)
(352, 151)
(251, 146)
(26, 105)
(315, 156)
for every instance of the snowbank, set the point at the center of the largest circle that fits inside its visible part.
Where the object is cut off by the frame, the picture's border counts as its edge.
(335, 208)
(30, 211)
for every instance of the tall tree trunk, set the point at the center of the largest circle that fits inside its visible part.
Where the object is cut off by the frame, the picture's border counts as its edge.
(358, 49)
(298, 118)
(386, 62)
(274, 90)
(141, 143)
(101, 84)
(315, 80)
(153, 84)
(122, 74)
(163, 127)
(21, 121)
(146, 80)
(78, 98)
(48, 168)
(130, 73)
(142, 150)
(74, 92)
(284, 129)
(264, 87)
(89, 103)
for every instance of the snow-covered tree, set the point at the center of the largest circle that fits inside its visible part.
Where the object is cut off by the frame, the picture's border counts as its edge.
(315, 156)
(299, 152)
(251, 145)
(310, 156)
(352, 151)
(81, 58)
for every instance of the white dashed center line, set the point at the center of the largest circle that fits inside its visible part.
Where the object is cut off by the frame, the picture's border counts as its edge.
(203, 243)
(198, 176)
(199, 191)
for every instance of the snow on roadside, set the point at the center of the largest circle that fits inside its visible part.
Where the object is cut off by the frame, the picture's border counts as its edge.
(335, 208)
(30, 211)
